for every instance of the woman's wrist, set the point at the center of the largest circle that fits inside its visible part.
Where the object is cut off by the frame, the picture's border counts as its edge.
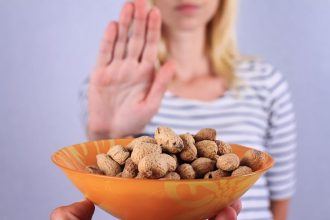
(104, 132)
(97, 131)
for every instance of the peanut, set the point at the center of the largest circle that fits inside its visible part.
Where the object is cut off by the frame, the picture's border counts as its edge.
(217, 174)
(139, 140)
(161, 157)
(168, 140)
(107, 165)
(171, 162)
(154, 166)
(202, 166)
(223, 147)
(228, 162)
(119, 154)
(186, 171)
(207, 149)
(189, 152)
(242, 170)
(206, 134)
(171, 176)
(130, 169)
(254, 159)
(94, 169)
(142, 150)
(140, 176)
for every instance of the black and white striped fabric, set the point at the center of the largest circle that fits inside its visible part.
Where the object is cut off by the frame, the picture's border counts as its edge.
(258, 113)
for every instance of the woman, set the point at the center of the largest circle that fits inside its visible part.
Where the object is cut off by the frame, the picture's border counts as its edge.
(201, 82)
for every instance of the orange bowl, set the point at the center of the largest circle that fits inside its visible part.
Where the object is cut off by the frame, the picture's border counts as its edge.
(151, 199)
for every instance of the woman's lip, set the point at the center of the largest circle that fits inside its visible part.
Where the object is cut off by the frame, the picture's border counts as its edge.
(187, 7)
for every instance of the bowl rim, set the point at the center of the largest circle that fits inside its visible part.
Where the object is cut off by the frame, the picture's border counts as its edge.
(260, 171)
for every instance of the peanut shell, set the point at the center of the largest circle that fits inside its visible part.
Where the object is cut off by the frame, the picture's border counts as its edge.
(228, 162)
(94, 169)
(217, 174)
(154, 166)
(143, 149)
(206, 134)
(223, 147)
(207, 149)
(119, 154)
(139, 140)
(202, 166)
(189, 152)
(241, 170)
(186, 171)
(254, 159)
(171, 176)
(130, 170)
(168, 140)
(107, 165)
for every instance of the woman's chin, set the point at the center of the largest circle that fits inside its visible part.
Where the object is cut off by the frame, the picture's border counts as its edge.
(187, 25)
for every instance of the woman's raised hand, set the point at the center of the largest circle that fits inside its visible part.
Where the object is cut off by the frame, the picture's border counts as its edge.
(125, 91)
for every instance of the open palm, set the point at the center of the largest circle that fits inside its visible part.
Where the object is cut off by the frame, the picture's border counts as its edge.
(125, 90)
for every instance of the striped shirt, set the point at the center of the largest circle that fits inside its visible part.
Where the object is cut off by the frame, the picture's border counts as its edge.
(257, 113)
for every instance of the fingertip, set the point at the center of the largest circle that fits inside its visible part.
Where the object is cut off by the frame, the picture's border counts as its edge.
(83, 208)
(110, 29)
(58, 213)
(90, 203)
(154, 19)
(91, 206)
(237, 206)
(110, 33)
(112, 26)
(129, 5)
(227, 213)
(154, 13)
(127, 11)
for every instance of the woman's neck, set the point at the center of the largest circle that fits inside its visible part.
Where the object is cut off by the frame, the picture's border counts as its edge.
(187, 48)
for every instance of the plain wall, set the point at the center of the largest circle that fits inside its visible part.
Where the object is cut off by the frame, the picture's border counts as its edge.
(48, 47)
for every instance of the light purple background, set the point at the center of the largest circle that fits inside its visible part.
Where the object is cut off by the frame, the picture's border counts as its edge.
(48, 47)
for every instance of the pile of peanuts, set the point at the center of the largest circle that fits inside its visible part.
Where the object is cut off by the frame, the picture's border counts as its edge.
(170, 156)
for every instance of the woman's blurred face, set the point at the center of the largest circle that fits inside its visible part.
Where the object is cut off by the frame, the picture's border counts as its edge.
(186, 14)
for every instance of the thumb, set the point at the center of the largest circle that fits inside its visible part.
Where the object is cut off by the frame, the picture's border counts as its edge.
(161, 81)
(83, 210)
(228, 213)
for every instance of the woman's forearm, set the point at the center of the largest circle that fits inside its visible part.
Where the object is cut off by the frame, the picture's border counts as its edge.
(280, 209)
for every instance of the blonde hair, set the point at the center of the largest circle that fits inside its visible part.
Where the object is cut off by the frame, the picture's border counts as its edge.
(221, 42)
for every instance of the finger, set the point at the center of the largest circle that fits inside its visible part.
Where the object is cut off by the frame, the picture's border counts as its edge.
(83, 210)
(227, 213)
(237, 206)
(153, 36)
(159, 86)
(125, 20)
(107, 44)
(136, 43)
